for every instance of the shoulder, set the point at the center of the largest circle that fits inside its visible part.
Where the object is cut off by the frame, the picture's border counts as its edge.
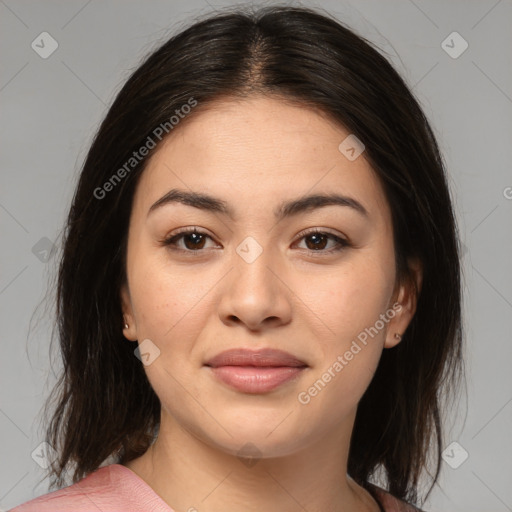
(82, 495)
(112, 488)
(389, 502)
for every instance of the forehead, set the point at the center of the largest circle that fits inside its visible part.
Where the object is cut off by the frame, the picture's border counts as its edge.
(258, 151)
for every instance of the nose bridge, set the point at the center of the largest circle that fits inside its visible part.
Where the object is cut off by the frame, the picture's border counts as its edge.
(253, 292)
(252, 271)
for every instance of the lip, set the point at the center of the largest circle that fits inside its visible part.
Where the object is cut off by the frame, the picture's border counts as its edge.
(255, 371)
(266, 357)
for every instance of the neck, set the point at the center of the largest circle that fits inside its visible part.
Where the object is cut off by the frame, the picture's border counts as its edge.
(190, 474)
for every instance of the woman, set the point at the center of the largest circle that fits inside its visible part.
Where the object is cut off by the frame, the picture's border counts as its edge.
(265, 212)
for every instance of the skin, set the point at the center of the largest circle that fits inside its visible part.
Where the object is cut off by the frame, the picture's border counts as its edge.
(254, 154)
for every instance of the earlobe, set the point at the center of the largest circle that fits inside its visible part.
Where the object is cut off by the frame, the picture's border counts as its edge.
(392, 340)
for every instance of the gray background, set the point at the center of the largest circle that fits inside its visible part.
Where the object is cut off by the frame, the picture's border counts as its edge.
(51, 108)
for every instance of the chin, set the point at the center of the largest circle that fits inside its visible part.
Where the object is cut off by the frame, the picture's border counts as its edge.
(254, 439)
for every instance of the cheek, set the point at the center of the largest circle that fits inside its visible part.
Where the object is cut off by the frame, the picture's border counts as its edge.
(170, 310)
(347, 301)
(167, 298)
(334, 391)
(350, 303)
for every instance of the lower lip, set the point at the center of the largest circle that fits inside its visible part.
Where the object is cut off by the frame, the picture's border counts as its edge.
(252, 379)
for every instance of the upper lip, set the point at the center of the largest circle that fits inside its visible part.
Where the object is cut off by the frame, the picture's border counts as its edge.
(263, 357)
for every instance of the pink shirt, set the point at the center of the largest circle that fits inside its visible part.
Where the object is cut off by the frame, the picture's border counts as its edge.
(115, 488)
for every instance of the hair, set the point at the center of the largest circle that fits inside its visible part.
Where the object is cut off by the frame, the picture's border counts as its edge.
(105, 406)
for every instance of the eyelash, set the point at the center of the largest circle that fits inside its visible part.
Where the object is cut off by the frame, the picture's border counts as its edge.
(171, 241)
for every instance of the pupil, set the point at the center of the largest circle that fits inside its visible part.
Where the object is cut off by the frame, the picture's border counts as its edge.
(195, 238)
(318, 238)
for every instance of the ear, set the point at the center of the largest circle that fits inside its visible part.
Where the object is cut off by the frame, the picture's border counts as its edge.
(129, 332)
(404, 302)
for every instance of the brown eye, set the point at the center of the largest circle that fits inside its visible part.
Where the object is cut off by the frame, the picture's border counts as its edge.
(317, 241)
(193, 240)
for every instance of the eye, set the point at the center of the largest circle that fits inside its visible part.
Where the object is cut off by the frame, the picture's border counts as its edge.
(316, 241)
(193, 239)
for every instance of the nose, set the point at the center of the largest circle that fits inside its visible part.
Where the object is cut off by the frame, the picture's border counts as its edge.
(256, 294)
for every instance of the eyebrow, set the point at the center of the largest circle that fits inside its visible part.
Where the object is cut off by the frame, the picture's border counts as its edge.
(285, 209)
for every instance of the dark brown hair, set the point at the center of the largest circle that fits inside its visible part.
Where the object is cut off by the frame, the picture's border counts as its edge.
(105, 407)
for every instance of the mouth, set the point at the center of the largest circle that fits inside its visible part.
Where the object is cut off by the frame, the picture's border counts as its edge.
(259, 371)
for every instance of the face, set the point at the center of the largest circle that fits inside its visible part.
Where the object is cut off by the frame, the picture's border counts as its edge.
(315, 279)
